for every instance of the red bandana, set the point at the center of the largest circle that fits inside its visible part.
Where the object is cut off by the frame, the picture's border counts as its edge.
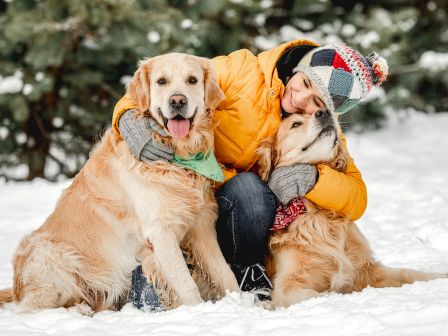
(286, 214)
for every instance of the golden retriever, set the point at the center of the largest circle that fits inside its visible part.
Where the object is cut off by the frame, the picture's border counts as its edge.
(120, 211)
(321, 250)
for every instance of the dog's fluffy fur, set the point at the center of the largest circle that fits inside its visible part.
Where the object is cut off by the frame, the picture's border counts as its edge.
(120, 211)
(321, 250)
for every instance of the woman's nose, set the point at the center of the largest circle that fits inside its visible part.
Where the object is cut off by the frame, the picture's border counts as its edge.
(301, 98)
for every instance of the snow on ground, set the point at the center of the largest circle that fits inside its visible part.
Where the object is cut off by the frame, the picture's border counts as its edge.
(405, 169)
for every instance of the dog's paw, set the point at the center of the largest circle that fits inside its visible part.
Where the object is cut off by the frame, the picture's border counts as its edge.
(262, 298)
(266, 304)
(83, 309)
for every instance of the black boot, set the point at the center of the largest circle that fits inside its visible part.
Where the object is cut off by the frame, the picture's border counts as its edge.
(253, 279)
(143, 295)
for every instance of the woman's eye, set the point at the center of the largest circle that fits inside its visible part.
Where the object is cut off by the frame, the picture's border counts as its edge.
(296, 124)
(161, 81)
(305, 83)
(192, 80)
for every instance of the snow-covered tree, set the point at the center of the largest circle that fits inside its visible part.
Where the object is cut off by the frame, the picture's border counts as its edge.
(65, 63)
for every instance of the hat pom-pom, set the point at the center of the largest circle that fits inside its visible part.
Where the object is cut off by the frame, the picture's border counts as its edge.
(379, 67)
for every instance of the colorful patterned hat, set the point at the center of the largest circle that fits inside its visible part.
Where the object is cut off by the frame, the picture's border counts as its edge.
(342, 75)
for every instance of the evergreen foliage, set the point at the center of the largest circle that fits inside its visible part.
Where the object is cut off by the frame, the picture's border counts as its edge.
(65, 63)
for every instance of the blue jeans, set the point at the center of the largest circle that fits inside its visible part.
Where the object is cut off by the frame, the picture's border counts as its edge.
(246, 211)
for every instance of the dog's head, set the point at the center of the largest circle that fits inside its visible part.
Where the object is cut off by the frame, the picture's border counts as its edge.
(179, 91)
(302, 139)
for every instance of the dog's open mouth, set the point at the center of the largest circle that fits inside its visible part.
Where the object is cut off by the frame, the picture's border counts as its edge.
(178, 126)
(326, 131)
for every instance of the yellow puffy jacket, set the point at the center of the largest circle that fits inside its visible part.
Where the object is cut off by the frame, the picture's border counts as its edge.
(251, 112)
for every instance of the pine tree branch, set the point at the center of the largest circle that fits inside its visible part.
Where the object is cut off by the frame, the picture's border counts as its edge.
(110, 90)
(405, 69)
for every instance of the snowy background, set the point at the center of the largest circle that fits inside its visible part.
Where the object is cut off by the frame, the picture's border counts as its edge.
(405, 168)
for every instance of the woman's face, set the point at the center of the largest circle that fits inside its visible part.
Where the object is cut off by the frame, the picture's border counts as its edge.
(301, 96)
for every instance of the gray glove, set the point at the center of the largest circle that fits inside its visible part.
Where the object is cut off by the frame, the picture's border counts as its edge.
(137, 134)
(289, 182)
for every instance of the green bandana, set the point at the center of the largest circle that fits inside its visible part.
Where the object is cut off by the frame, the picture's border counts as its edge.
(205, 165)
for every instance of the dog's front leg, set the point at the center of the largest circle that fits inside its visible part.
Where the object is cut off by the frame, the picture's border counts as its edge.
(172, 265)
(205, 249)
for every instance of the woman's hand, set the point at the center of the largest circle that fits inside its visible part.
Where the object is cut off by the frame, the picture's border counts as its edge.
(137, 132)
(289, 182)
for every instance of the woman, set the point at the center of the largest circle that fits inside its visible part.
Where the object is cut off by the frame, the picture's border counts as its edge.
(295, 77)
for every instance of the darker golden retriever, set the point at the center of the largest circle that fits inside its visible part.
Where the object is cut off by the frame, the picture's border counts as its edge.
(321, 250)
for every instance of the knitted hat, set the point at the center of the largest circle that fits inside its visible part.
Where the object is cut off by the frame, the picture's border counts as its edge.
(342, 75)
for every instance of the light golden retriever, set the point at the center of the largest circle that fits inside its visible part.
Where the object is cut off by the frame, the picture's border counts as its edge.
(321, 250)
(120, 211)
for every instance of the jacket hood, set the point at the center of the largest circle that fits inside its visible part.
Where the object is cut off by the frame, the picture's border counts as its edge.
(268, 60)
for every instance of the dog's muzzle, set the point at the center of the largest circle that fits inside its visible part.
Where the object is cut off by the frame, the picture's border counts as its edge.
(177, 122)
(178, 104)
(327, 126)
(324, 118)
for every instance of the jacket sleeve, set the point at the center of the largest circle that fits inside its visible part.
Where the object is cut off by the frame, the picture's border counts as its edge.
(345, 192)
(124, 104)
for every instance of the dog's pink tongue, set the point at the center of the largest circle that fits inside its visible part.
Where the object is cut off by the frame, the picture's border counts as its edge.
(178, 128)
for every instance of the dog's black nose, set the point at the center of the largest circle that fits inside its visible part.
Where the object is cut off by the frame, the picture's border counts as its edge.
(324, 118)
(323, 114)
(178, 101)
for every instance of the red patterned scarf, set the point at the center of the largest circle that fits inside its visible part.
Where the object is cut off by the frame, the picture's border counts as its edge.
(286, 214)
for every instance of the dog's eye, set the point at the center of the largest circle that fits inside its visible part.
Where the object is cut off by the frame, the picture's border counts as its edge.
(192, 80)
(161, 81)
(296, 124)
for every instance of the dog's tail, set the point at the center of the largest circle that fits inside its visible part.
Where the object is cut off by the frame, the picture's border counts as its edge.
(6, 295)
(379, 276)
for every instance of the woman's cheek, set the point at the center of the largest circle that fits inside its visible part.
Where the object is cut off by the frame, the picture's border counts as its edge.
(286, 104)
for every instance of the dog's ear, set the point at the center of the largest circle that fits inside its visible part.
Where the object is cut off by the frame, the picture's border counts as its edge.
(138, 87)
(340, 162)
(213, 93)
(266, 157)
